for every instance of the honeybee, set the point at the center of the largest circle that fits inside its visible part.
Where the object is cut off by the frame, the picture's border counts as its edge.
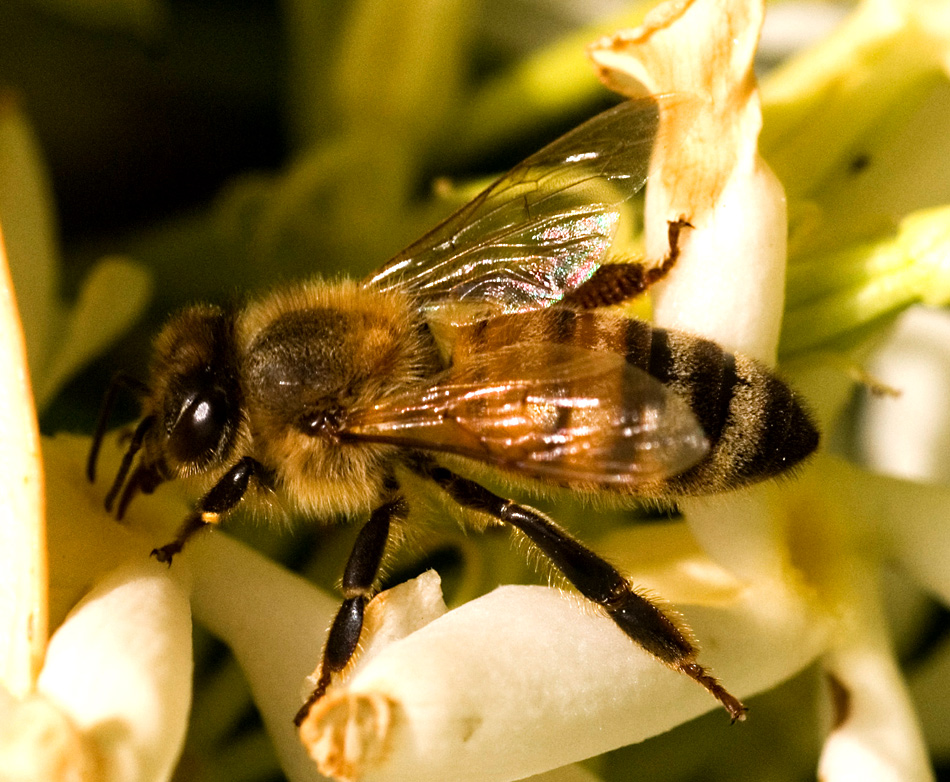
(490, 340)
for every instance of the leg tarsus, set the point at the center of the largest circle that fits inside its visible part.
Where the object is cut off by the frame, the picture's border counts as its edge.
(359, 578)
(318, 692)
(195, 522)
(641, 620)
(341, 644)
(737, 710)
(220, 499)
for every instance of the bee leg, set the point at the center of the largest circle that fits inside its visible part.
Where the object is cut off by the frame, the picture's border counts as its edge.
(642, 620)
(359, 578)
(221, 498)
(615, 283)
(119, 382)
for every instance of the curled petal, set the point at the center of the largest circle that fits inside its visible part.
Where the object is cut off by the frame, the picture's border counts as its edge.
(527, 679)
(120, 668)
(728, 283)
(40, 743)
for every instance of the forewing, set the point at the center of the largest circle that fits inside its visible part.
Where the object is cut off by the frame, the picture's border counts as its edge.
(554, 412)
(541, 230)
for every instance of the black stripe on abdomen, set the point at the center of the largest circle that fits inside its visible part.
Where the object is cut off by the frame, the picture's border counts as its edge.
(696, 369)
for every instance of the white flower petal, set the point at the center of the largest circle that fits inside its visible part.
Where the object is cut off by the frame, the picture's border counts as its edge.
(23, 581)
(908, 435)
(876, 736)
(745, 531)
(526, 679)
(909, 523)
(728, 283)
(275, 623)
(86, 543)
(120, 667)
(39, 743)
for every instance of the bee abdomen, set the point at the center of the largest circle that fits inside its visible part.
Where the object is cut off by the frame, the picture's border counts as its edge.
(756, 425)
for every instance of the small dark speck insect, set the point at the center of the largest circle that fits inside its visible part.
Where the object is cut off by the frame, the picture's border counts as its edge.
(489, 341)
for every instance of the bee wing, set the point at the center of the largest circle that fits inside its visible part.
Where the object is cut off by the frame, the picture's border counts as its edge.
(547, 411)
(539, 231)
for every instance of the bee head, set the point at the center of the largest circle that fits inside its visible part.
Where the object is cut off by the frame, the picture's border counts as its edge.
(192, 406)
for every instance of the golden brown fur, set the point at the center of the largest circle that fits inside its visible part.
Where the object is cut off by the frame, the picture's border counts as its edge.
(382, 353)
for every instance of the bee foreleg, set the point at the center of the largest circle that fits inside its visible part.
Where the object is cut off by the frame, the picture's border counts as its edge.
(359, 579)
(221, 498)
(639, 617)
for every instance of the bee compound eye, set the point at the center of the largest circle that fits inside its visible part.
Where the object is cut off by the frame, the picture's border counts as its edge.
(199, 431)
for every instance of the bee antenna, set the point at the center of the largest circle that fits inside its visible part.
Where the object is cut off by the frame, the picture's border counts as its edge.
(134, 445)
(120, 381)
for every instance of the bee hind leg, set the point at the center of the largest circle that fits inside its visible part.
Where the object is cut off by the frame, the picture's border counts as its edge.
(617, 282)
(639, 617)
(359, 579)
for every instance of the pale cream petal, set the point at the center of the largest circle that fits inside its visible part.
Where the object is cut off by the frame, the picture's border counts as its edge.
(731, 285)
(728, 283)
(527, 678)
(907, 433)
(876, 736)
(23, 578)
(120, 667)
(745, 530)
(667, 560)
(85, 543)
(274, 622)
(40, 743)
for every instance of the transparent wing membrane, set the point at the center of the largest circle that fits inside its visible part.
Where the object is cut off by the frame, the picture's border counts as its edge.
(540, 231)
(549, 411)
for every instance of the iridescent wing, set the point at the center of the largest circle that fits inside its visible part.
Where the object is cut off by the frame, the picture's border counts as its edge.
(541, 230)
(549, 411)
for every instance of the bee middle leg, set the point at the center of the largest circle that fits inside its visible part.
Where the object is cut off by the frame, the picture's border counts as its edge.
(599, 581)
(359, 579)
